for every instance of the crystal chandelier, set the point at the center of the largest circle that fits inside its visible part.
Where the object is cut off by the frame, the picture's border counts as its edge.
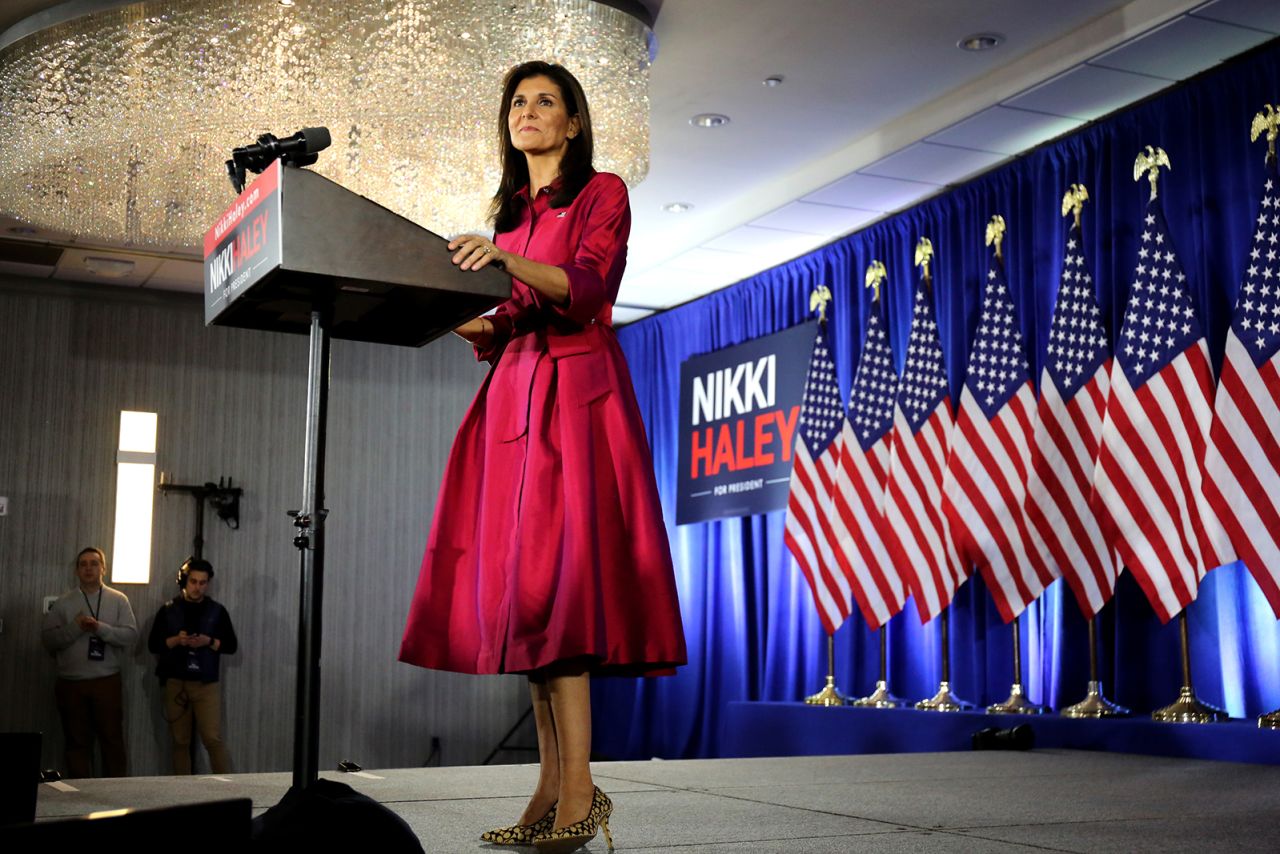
(117, 124)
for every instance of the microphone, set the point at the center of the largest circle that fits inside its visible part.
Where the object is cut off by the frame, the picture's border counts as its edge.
(301, 149)
(307, 142)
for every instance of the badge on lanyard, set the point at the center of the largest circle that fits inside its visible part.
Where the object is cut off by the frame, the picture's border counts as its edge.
(97, 647)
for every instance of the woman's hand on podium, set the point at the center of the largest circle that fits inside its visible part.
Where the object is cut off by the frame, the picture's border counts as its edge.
(475, 252)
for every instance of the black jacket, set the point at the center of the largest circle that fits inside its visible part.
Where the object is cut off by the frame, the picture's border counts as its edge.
(205, 617)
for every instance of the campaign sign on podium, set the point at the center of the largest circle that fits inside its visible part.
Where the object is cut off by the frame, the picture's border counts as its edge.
(244, 244)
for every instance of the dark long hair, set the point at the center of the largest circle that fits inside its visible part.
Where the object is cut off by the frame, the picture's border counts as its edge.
(575, 165)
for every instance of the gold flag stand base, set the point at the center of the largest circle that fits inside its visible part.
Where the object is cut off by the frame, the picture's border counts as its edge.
(1017, 704)
(880, 698)
(828, 696)
(1188, 709)
(943, 701)
(1271, 720)
(1094, 705)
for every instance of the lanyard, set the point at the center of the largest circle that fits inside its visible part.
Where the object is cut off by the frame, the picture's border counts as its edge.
(90, 607)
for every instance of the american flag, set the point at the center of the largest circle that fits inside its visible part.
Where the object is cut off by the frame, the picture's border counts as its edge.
(1073, 397)
(919, 543)
(809, 532)
(1147, 481)
(1242, 467)
(864, 468)
(984, 489)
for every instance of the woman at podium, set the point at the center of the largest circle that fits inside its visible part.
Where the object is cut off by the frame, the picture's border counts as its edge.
(548, 554)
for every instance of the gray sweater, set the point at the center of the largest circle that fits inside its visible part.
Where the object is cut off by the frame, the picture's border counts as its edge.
(70, 646)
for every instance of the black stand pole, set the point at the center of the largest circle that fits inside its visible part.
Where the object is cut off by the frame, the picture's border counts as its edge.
(310, 542)
(306, 818)
(198, 543)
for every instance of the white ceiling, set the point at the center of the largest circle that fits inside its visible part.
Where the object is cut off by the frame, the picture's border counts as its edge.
(878, 110)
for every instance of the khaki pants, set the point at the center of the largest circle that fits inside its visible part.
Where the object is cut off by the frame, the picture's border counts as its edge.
(198, 703)
(90, 707)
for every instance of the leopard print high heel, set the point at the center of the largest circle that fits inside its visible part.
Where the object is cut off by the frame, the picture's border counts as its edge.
(579, 833)
(521, 834)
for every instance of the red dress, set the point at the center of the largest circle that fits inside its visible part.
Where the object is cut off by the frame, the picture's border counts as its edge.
(548, 541)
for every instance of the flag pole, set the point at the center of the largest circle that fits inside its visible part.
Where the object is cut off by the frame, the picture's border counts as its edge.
(1265, 123)
(1018, 703)
(1187, 709)
(944, 700)
(881, 697)
(829, 695)
(1094, 704)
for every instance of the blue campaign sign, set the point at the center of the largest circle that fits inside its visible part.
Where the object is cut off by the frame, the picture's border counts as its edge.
(739, 409)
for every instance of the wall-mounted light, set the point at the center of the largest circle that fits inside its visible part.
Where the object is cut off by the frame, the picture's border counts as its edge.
(135, 494)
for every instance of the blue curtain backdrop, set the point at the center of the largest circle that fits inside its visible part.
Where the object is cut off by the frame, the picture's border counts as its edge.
(750, 622)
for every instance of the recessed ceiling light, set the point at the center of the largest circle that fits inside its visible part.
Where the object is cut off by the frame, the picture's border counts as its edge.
(980, 41)
(773, 80)
(286, 2)
(709, 120)
(677, 207)
(108, 268)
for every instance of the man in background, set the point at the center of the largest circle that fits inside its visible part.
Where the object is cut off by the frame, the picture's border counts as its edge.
(190, 635)
(89, 630)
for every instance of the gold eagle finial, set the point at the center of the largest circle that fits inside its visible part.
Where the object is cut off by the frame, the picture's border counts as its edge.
(1268, 122)
(924, 253)
(875, 276)
(1073, 201)
(818, 301)
(995, 234)
(1148, 163)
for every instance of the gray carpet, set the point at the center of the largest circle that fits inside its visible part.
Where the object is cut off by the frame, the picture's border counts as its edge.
(1000, 802)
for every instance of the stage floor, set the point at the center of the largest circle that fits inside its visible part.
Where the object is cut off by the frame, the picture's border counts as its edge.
(1044, 800)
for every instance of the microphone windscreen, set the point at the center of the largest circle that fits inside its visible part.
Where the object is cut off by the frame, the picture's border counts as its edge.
(315, 139)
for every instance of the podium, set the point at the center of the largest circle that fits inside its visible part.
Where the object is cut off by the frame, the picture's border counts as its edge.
(298, 253)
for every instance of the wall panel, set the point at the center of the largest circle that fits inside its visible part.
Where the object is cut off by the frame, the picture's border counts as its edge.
(230, 403)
